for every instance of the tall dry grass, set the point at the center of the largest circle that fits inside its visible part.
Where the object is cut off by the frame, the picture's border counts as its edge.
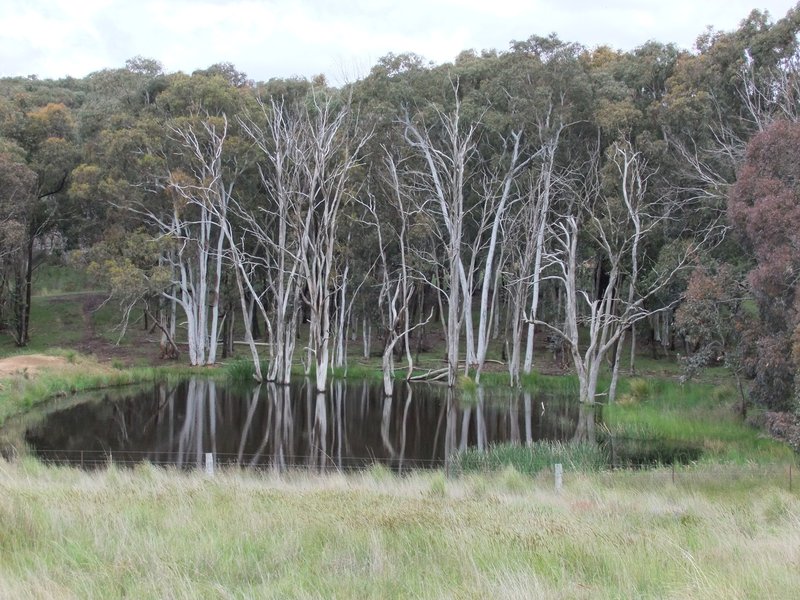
(153, 533)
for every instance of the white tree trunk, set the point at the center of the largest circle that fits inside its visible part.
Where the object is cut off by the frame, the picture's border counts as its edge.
(612, 390)
(489, 268)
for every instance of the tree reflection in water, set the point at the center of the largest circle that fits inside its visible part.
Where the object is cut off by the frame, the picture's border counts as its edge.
(281, 427)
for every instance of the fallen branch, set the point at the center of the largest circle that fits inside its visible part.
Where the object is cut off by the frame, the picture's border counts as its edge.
(431, 375)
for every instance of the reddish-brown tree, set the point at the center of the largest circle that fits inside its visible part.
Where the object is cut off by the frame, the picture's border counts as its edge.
(764, 207)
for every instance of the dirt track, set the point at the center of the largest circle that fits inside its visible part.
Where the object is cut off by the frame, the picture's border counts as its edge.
(29, 363)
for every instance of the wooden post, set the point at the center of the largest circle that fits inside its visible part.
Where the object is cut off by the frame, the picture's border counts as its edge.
(790, 477)
(673, 471)
(559, 473)
(209, 464)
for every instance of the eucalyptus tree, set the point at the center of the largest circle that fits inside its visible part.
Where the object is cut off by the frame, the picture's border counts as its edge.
(614, 211)
(45, 136)
(201, 228)
(330, 153)
(270, 223)
(736, 85)
(398, 280)
(541, 84)
(445, 150)
(732, 92)
(308, 154)
(17, 196)
(183, 165)
(500, 188)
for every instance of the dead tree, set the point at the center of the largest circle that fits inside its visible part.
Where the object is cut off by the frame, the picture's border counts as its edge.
(618, 227)
(445, 150)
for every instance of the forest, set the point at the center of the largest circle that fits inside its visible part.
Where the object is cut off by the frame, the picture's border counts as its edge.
(583, 200)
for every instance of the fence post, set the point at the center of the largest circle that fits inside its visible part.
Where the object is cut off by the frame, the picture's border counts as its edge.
(559, 473)
(790, 477)
(209, 464)
(673, 471)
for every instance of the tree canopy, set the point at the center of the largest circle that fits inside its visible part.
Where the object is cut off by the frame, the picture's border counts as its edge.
(584, 194)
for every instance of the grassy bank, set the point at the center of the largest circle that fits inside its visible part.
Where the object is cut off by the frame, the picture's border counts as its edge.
(700, 415)
(151, 533)
(695, 415)
(23, 391)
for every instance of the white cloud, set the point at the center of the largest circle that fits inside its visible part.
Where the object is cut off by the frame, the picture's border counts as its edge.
(266, 38)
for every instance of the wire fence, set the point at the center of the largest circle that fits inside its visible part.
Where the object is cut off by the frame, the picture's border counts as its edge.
(320, 462)
(675, 473)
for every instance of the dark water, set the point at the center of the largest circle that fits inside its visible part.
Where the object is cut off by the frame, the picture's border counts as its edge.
(269, 426)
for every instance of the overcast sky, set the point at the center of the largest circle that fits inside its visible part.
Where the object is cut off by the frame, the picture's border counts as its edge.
(342, 39)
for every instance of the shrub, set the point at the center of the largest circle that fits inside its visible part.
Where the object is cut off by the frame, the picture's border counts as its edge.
(639, 388)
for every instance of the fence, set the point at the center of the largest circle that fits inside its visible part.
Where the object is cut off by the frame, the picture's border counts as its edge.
(559, 474)
(321, 462)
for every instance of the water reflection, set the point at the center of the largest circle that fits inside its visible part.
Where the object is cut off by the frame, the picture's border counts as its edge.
(279, 427)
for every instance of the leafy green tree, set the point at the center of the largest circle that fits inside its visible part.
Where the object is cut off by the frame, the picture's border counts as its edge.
(17, 199)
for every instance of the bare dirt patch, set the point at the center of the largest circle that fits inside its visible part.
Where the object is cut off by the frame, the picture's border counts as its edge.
(137, 348)
(29, 364)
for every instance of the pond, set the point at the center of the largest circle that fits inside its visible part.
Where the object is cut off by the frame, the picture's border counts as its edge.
(269, 426)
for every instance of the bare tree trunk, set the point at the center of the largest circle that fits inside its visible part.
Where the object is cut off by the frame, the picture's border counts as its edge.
(496, 305)
(620, 239)
(339, 354)
(488, 271)
(445, 178)
(366, 333)
(543, 193)
(612, 390)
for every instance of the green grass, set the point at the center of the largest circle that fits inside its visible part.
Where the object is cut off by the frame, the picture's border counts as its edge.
(23, 392)
(700, 414)
(153, 533)
(56, 279)
(533, 459)
(54, 323)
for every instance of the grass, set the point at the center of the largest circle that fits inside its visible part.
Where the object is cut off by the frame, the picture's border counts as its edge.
(151, 533)
(699, 414)
(56, 279)
(54, 323)
(531, 460)
(22, 392)
(56, 316)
